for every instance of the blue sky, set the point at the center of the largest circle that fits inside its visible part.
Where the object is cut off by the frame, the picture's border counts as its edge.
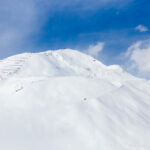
(38, 25)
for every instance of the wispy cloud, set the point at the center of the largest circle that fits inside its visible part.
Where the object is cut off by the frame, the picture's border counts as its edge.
(94, 50)
(141, 28)
(138, 58)
(18, 20)
(84, 4)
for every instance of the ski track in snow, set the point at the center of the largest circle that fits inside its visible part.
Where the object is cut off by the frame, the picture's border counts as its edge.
(12, 65)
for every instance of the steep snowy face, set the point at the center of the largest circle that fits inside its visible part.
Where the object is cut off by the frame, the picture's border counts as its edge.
(66, 100)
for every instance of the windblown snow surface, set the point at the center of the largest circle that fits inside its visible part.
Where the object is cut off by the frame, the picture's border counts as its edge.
(66, 100)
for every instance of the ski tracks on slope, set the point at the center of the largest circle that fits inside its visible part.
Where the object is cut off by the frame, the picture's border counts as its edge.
(12, 65)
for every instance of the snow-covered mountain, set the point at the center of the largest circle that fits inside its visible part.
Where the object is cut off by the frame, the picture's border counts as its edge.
(67, 100)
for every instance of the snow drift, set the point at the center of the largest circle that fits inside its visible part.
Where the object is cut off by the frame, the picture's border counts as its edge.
(66, 100)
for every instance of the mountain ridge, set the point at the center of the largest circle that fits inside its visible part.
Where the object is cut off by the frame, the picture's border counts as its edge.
(17, 61)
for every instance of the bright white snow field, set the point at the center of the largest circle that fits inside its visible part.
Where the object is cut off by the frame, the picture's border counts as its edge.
(67, 100)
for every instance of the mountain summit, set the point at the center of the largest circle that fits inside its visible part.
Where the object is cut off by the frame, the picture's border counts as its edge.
(67, 100)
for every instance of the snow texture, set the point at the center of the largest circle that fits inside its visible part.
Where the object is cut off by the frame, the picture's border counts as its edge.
(67, 100)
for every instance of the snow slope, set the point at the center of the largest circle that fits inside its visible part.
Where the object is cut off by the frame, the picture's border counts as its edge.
(66, 100)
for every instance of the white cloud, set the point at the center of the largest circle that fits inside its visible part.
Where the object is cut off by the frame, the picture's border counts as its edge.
(141, 28)
(138, 56)
(94, 50)
(19, 20)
